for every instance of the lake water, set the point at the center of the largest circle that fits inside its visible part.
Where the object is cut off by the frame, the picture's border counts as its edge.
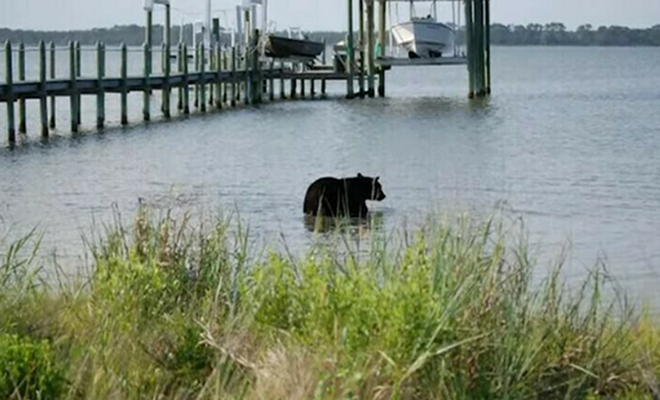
(569, 141)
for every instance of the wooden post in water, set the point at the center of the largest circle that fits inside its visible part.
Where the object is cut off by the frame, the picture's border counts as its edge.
(382, 39)
(469, 38)
(371, 47)
(43, 98)
(9, 81)
(257, 80)
(165, 105)
(75, 105)
(218, 73)
(100, 94)
(212, 70)
(487, 10)
(361, 50)
(351, 53)
(234, 96)
(146, 97)
(312, 89)
(79, 74)
(302, 88)
(247, 94)
(186, 80)
(124, 84)
(322, 87)
(292, 85)
(52, 76)
(196, 86)
(167, 90)
(22, 117)
(202, 92)
(271, 87)
(225, 87)
(282, 88)
(479, 47)
(180, 61)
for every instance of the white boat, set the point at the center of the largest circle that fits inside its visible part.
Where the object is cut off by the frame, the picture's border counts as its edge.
(424, 37)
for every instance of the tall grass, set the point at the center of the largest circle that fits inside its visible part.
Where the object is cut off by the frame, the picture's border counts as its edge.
(176, 309)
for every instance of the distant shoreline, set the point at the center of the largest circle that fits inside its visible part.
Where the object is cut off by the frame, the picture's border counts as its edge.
(552, 34)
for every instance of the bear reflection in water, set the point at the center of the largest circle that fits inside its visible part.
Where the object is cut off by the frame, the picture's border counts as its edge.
(374, 221)
(341, 197)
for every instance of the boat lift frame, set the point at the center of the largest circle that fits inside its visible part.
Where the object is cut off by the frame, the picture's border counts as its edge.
(477, 43)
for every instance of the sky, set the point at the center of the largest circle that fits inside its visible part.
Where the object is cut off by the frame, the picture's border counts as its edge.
(314, 14)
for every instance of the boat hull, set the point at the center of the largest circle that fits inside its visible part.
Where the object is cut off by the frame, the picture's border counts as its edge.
(281, 47)
(424, 38)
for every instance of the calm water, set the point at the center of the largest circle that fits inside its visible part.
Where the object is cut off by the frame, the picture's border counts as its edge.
(570, 141)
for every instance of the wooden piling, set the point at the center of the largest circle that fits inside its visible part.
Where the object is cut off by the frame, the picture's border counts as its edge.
(479, 47)
(22, 117)
(469, 38)
(225, 87)
(212, 74)
(371, 46)
(186, 82)
(233, 77)
(9, 79)
(282, 88)
(487, 29)
(302, 88)
(167, 67)
(196, 86)
(312, 89)
(124, 85)
(146, 97)
(323, 87)
(100, 94)
(271, 81)
(351, 53)
(202, 91)
(52, 76)
(247, 92)
(361, 50)
(179, 58)
(257, 81)
(43, 97)
(75, 105)
(292, 85)
(79, 74)
(218, 80)
(382, 39)
(167, 90)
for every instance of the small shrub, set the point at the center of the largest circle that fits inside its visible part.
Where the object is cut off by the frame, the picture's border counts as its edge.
(27, 369)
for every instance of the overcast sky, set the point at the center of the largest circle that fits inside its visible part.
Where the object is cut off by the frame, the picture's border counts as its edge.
(314, 14)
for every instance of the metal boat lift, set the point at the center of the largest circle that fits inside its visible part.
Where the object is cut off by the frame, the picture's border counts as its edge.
(476, 55)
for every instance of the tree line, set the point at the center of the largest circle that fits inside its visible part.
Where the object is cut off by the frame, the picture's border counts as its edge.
(554, 33)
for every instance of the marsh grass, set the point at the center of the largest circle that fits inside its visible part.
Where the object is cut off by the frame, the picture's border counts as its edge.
(178, 309)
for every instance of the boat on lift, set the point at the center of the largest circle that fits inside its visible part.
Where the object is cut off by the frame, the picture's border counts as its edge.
(424, 37)
(296, 45)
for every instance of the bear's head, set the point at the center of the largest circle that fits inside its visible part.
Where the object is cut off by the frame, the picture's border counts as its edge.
(374, 191)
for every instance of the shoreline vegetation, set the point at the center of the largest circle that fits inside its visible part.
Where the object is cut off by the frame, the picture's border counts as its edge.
(175, 309)
(534, 34)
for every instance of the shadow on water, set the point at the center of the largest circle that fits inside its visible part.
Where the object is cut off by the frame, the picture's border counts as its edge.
(374, 221)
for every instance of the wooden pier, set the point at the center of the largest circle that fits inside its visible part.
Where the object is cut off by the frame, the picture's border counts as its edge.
(233, 74)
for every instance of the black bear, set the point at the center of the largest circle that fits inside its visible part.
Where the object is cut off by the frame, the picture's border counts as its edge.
(345, 196)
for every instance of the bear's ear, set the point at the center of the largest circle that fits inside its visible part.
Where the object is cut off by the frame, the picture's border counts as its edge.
(360, 175)
(377, 178)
